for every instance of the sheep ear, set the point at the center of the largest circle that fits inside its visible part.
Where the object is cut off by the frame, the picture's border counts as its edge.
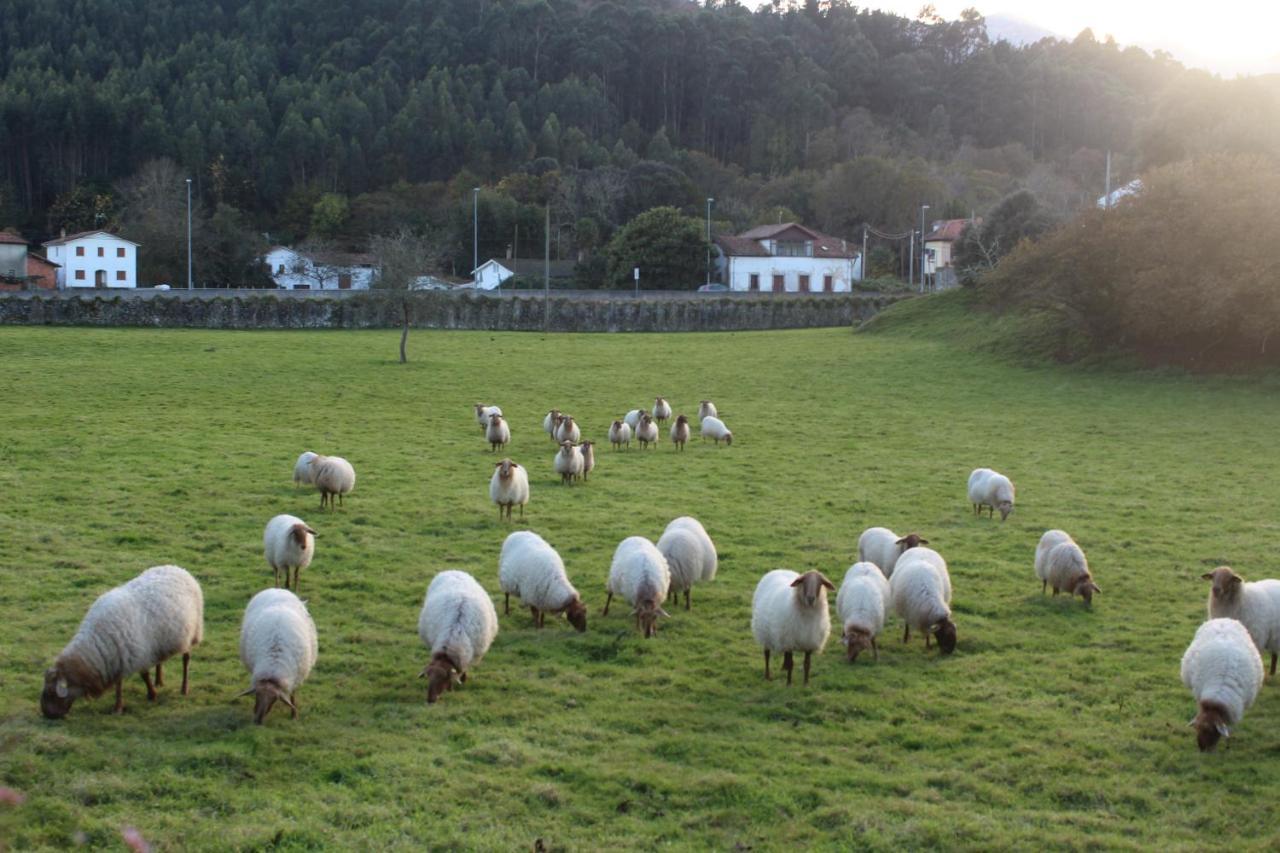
(248, 692)
(828, 584)
(798, 581)
(1223, 730)
(924, 541)
(423, 674)
(283, 697)
(901, 541)
(1191, 724)
(662, 612)
(61, 688)
(312, 532)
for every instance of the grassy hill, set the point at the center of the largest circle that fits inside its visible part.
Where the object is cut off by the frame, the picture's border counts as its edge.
(1052, 726)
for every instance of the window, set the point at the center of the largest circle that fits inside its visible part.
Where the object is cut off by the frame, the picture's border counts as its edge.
(302, 287)
(120, 275)
(79, 275)
(755, 281)
(778, 285)
(102, 253)
(804, 284)
(280, 269)
(827, 285)
(790, 249)
(120, 252)
(79, 251)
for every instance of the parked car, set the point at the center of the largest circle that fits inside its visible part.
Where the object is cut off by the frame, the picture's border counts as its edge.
(162, 287)
(713, 288)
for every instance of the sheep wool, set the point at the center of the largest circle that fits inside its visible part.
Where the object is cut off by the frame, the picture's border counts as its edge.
(860, 605)
(647, 431)
(690, 554)
(789, 614)
(1256, 605)
(661, 410)
(288, 544)
(549, 423)
(640, 575)
(680, 432)
(714, 428)
(619, 435)
(333, 477)
(482, 414)
(530, 569)
(991, 489)
(1223, 671)
(458, 623)
(921, 593)
(568, 463)
(707, 409)
(588, 451)
(302, 471)
(278, 646)
(509, 487)
(1061, 564)
(498, 433)
(882, 546)
(632, 419)
(568, 430)
(129, 629)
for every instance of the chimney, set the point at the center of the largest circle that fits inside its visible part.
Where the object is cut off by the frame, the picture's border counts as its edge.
(63, 234)
(508, 251)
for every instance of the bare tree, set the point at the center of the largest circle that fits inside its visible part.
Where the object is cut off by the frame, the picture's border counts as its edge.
(315, 261)
(403, 258)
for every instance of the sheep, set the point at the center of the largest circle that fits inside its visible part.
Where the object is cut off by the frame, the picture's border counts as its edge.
(532, 570)
(647, 431)
(882, 546)
(278, 646)
(789, 614)
(707, 409)
(661, 410)
(568, 430)
(680, 432)
(1060, 563)
(568, 463)
(137, 625)
(288, 543)
(620, 434)
(632, 419)
(713, 427)
(333, 476)
(639, 573)
(302, 471)
(860, 605)
(921, 593)
(509, 487)
(990, 489)
(458, 623)
(588, 451)
(690, 554)
(1223, 671)
(498, 434)
(550, 422)
(1256, 605)
(482, 414)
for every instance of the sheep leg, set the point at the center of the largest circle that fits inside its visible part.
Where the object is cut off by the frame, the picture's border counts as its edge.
(1273, 663)
(1044, 585)
(927, 638)
(686, 599)
(767, 676)
(807, 655)
(159, 675)
(875, 652)
(341, 500)
(277, 574)
(186, 663)
(605, 612)
(506, 604)
(119, 708)
(151, 688)
(293, 711)
(521, 511)
(788, 663)
(533, 611)
(906, 634)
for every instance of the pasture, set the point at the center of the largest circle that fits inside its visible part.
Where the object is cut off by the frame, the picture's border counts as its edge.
(1052, 726)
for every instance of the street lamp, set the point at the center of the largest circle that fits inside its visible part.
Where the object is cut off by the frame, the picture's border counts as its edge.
(710, 201)
(475, 232)
(923, 208)
(188, 233)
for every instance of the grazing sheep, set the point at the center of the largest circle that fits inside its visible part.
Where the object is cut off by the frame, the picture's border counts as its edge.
(1223, 670)
(713, 427)
(882, 546)
(333, 476)
(647, 431)
(990, 489)
(680, 432)
(1061, 564)
(482, 414)
(620, 434)
(921, 593)
(302, 471)
(707, 409)
(860, 605)
(288, 543)
(690, 554)
(137, 625)
(632, 419)
(1256, 605)
(458, 623)
(531, 569)
(639, 573)
(661, 410)
(498, 434)
(568, 463)
(568, 430)
(278, 646)
(789, 614)
(509, 487)
(550, 422)
(588, 451)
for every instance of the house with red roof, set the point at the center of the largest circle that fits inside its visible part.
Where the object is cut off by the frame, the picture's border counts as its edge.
(787, 258)
(94, 259)
(939, 249)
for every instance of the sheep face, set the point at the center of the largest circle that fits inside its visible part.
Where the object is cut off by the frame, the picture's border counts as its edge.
(300, 532)
(911, 540)
(495, 419)
(505, 469)
(647, 612)
(266, 694)
(58, 694)
(945, 633)
(1210, 725)
(728, 438)
(646, 419)
(576, 613)
(1005, 508)
(1226, 583)
(809, 587)
(856, 642)
(1086, 588)
(682, 420)
(439, 676)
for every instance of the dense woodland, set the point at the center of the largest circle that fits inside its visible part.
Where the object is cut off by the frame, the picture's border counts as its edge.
(336, 122)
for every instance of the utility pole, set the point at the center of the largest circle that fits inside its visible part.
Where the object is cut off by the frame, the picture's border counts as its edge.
(911, 258)
(1106, 198)
(475, 235)
(546, 273)
(188, 233)
(862, 273)
(923, 208)
(709, 202)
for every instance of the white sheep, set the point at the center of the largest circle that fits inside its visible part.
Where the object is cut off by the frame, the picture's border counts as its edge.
(302, 471)
(549, 423)
(588, 451)
(882, 546)
(639, 573)
(482, 414)
(1223, 670)
(861, 602)
(1256, 605)
(1061, 563)
(707, 409)
(661, 410)
(921, 593)
(789, 614)
(278, 646)
(680, 432)
(532, 570)
(713, 427)
(690, 554)
(647, 431)
(137, 625)
(990, 489)
(632, 419)
(288, 543)
(620, 434)
(458, 623)
(333, 477)
(568, 463)
(568, 430)
(509, 487)
(498, 434)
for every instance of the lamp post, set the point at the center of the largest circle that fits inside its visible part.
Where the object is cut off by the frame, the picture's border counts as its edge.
(923, 208)
(475, 232)
(188, 233)
(710, 201)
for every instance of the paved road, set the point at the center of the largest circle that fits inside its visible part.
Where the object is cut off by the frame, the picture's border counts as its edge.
(224, 293)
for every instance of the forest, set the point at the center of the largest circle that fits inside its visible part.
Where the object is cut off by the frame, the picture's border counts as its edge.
(340, 122)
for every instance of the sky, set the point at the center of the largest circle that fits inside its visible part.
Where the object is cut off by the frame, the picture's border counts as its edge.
(1227, 36)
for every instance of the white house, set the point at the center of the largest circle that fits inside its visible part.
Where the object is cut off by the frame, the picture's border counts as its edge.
(787, 258)
(294, 270)
(1130, 189)
(94, 259)
(495, 271)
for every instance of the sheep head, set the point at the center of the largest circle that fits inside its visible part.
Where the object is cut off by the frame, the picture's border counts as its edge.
(439, 676)
(576, 613)
(728, 438)
(647, 611)
(495, 419)
(1005, 507)
(856, 641)
(58, 694)
(1210, 725)
(566, 448)
(681, 420)
(479, 409)
(299, 532)
(911, 540)
(1086, 588)
(809, 588)
(944, 631)
(1226, 583)
(617, 425)
(505, 468)
(266, 693)
(645, 419)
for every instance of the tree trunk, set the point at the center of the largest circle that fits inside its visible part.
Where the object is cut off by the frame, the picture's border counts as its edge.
(404, 333)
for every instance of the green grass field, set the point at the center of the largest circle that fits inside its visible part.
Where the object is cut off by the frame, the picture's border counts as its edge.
(1052, 726)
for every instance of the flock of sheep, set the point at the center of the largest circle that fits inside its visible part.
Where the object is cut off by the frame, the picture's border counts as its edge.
(159, 614)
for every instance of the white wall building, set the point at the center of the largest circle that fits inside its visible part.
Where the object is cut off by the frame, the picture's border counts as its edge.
(94, 259)
(494, 271)
(787, 258)
(293, 270)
